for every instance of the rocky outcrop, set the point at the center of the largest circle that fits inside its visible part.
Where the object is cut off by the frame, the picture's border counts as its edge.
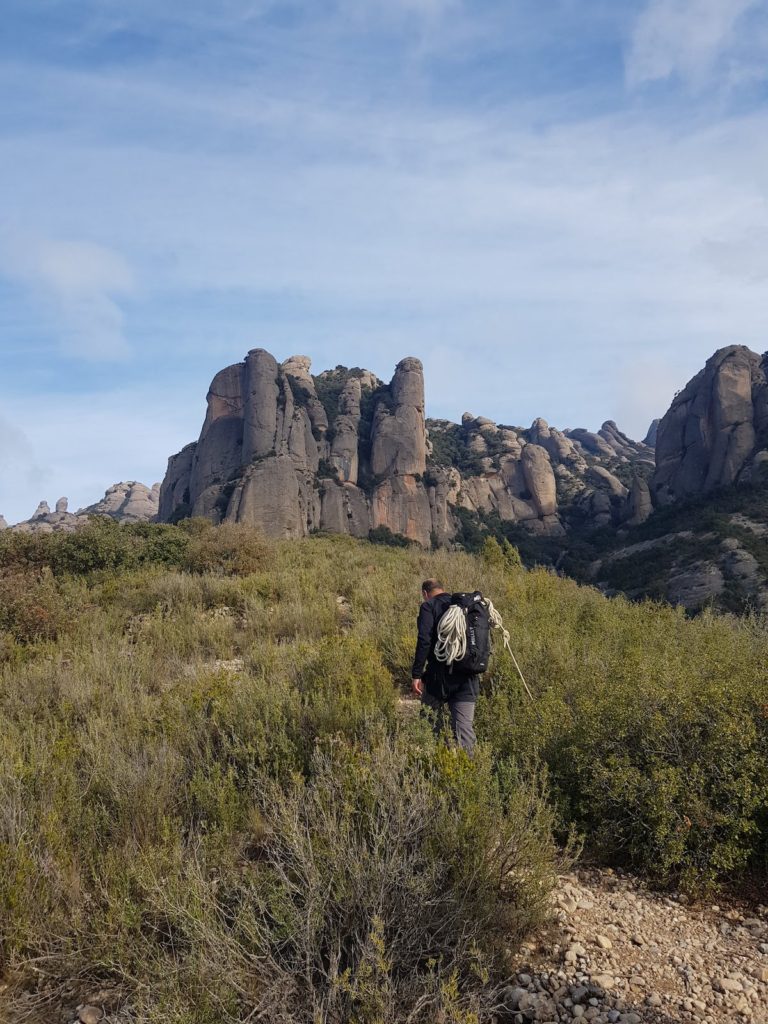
(268, 453)
(175, 490)
(399, 439)
(128, 502)
(3, 523)
(653, 432)
(343, 452)
(624, 447)
(715, 433)
(640, 504)
(345, 445)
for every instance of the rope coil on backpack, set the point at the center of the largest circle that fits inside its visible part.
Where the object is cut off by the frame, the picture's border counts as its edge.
(451, 645)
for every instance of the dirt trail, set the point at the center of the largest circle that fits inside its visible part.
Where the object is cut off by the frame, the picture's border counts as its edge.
(623, 955)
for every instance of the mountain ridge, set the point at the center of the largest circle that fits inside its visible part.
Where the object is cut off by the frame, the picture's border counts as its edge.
(343, 452)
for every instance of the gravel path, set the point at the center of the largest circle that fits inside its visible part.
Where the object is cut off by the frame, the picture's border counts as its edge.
(622, 954)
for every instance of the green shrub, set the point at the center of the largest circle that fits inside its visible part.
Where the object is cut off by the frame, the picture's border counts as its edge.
(31, 607)
(231, 548)
(165, 728)
(383, 888)
(383, 535)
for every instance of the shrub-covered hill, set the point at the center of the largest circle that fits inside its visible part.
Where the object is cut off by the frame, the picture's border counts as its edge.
(210, 792)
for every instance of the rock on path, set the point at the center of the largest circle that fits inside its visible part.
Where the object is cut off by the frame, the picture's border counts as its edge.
(623, 955)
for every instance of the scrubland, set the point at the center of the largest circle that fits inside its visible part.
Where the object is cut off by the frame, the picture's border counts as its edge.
(210, 794)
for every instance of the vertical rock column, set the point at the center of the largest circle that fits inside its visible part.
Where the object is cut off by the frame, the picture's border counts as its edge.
(708, 436)
(399, 456)
(280, 453)
(344, 447)
(261, 393)
(399, 439)
(217, 458)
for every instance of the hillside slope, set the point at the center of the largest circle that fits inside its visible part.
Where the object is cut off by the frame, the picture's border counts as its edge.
(207, 779)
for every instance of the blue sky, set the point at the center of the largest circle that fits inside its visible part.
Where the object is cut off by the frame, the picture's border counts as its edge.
(560, 207)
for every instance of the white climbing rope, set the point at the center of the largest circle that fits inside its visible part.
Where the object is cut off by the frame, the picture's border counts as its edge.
(451, 645)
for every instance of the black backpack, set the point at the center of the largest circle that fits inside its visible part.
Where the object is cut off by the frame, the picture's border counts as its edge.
(478, 653)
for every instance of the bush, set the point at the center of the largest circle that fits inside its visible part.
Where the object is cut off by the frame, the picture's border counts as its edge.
(31, 608)
(383, 535)
(385, 887)
(231, 548)
(179, 748)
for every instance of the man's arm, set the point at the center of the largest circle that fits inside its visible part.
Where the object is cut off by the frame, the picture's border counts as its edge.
(424, 625)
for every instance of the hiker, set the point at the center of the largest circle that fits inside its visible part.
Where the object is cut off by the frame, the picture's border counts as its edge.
(433, 680)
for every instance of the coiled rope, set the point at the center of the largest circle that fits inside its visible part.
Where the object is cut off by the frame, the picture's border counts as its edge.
(451, 645)
(451, 642)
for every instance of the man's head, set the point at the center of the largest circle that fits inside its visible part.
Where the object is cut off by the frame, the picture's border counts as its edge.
(431, 588)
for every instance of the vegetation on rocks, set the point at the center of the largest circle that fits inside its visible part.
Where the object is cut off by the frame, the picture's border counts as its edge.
(209, 791)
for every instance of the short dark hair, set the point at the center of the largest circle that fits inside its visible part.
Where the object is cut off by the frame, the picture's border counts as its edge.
(430, 586)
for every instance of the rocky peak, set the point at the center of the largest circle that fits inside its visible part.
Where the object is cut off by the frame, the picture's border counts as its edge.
(650, 437)
(128, 502)
(399, 438)
(716, 430)
(341, 451)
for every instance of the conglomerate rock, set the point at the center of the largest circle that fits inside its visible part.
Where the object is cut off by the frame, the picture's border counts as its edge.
(342, 452)
(715, 431)
(127, 502)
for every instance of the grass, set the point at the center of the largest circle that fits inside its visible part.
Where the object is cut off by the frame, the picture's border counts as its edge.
(209, 795)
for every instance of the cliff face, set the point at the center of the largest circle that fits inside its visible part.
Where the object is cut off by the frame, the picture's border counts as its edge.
(272, 452)
(715, 433)
(343, 452)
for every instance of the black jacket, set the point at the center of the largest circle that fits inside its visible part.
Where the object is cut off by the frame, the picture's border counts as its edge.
(439, 681)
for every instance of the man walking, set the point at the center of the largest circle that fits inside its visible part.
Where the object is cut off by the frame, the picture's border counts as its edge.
(433, 681)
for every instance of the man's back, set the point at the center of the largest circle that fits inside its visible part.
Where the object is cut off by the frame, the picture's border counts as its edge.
(439, 682)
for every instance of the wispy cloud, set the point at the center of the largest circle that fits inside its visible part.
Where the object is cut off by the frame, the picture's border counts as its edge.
(87, 452)
(21, 473)
(359, 180)
(83, 283)
(687, 39)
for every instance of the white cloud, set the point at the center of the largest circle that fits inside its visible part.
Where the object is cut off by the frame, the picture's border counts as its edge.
(20, 469)
(684, 38)
(91, 441)
(743, 254)
(540, 255)
(82, 281)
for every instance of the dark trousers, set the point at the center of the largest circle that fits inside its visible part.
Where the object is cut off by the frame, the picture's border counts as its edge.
(462, 714)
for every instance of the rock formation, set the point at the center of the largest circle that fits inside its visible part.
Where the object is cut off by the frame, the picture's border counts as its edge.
(3, 523)
(129, 502)
(652, 435)
(715, 433)
(343, 452)
(268, 454)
